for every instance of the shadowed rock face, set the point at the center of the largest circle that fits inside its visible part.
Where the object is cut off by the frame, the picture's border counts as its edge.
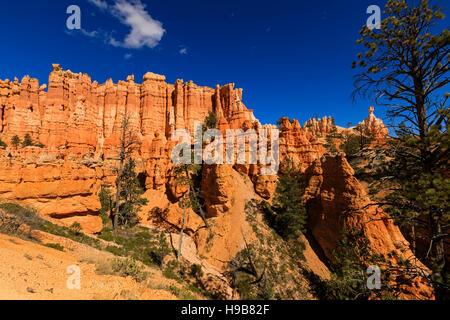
(336, 199)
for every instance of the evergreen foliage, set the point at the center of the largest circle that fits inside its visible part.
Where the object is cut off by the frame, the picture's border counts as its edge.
(405, 68)
(130, 195)
(290, 218)
(353, 143)
(27, 141)
(349, 272)
(211, 120)
(15, 141)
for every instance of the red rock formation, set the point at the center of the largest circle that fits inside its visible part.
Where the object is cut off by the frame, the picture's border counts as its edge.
(319, 127)
(298, 144)
(336, 200)
(79, 122)
(55, 188)
(77, 114)
(218, 182)
(78, 119)
(373, 127)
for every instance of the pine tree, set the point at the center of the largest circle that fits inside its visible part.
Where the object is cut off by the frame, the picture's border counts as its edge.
(211, 120)
(348, 281)
(27, 141)
(3, 144)
(127, 194)
(330, 144)
(188, 176)
(15, 141)
(405, 69)
(291, 216)
(420, 201)
(107, 202)
(130, 195)
(354, 143)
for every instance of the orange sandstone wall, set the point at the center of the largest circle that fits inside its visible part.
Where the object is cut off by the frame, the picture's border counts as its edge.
(79, 123)
(78, 115)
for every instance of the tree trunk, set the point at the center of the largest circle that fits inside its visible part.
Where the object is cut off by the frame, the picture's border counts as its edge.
(192, 190)
(438, 253)
(181, 232)
(116, 213)
(439, 267)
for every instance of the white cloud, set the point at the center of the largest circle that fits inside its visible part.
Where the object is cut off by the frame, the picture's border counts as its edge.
(128, 56)
(90, 34)
(145, 31)
(99, 3)
(183, 51)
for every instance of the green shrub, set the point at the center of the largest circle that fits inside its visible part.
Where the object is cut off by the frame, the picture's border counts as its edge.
(117, 251)
(76, 227)
(181, 293)
(196, 271)
(211, 121)
(139, 244)
(170, 271)
(129, 268)
(290, 215)
(26, 216)
(3, 144)
(15, 141)
(56, 246)
(106, 235)
(27, 141)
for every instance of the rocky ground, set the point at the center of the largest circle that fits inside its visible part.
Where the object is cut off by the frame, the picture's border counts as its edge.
(33, 271)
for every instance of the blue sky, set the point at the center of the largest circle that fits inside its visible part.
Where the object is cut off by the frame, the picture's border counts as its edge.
(292, 58)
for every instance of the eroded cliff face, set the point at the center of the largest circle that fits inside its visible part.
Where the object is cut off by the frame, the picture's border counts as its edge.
(77, 115)
(79, 123)
(337, 202)
(319, 127)
(54, 187)
(370, 127)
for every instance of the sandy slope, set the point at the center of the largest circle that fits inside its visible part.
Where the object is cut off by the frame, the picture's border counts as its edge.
(32, 271)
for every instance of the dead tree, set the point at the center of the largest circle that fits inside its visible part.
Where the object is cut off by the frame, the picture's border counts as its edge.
(128, 144)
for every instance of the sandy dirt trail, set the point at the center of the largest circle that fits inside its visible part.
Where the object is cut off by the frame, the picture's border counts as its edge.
(31, 271)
